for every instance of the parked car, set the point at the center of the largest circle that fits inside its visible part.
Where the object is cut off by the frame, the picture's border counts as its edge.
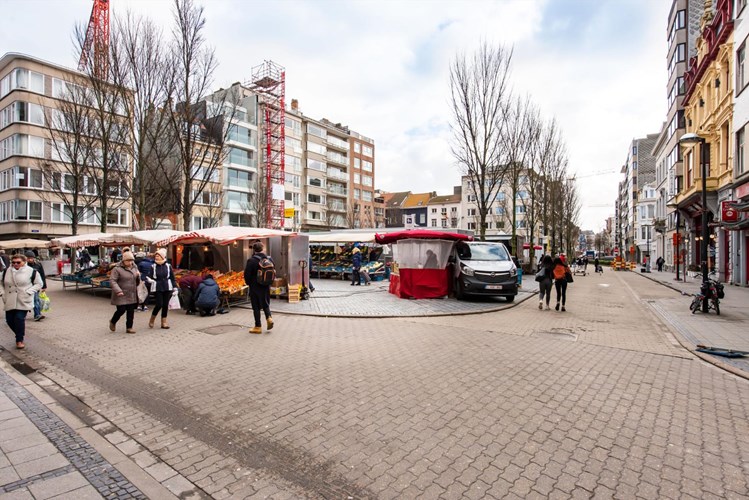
(483, 268)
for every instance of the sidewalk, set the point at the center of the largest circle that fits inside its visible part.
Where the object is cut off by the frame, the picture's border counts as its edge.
(43, 453)
(730, 330)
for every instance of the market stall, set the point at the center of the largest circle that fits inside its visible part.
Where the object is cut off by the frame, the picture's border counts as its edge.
(420, 262)
(227, 249)
(24, 243)
(331, 254)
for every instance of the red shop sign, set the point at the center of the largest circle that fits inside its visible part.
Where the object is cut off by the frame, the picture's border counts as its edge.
(742, 191)
(727, 212)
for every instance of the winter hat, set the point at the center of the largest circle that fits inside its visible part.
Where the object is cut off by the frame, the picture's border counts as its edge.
(140, 255)
(127, 255)
(162, 252)
(29, 253)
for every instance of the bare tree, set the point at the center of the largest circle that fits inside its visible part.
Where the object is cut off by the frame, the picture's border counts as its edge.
(140, 63)
(479, 99)
(200, 123)
(570, 215)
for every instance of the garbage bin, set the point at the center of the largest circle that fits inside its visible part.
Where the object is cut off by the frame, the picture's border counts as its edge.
(520, 276)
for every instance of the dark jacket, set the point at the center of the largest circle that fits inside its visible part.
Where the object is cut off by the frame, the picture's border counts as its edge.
(163, 275)
(208, 295)
(144, 266)
(126, 281)
(250, 271)
(356, 260)
(39, 269)
(191, 282)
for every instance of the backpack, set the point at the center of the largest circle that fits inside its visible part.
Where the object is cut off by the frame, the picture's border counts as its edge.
(33, 275)
(266, 271)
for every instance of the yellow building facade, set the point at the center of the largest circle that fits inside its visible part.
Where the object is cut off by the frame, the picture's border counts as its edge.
(708, 112)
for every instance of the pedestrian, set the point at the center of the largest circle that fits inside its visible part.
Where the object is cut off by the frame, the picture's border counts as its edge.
(585, 265)
(431, 262)
(256, 276)
(597, 265)
(144, 263)
(4, 260)
(659, 262)
(124, 280)
(85, 259)
(163, 287)
(207, 296)
(311, 288)
(189, 285)
(20, 283)
(544, 285)
(35, 264)
(116, 254)
(355, 266)
(561, 269)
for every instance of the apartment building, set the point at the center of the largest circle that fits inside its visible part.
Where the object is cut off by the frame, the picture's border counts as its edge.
(36, 183)
(394, 208)
(415, 209)
(444, 211)
(709, 114)
(735, 222)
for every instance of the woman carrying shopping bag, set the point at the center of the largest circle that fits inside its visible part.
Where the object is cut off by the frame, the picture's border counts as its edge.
(163, 286)
(124, 280)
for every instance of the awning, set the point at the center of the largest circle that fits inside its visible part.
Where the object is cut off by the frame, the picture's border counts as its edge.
(527, 246)
(741, 207)
(25, 243)
(226, 235)
(79, 240)
(384, 239)
(736, 226)
(341, 237)
(157, 237)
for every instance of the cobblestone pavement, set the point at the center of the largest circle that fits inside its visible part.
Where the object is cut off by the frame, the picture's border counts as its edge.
(600, 400)
(339, 298)
(41, 455)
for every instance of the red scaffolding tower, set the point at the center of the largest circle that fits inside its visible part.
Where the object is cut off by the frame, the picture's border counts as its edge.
(269, 83)
(97, 41)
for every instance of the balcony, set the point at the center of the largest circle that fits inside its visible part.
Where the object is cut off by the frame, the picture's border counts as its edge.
(337, 158)
(336, 143)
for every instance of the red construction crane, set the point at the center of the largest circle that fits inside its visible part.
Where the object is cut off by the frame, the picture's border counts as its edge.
(269, 82)
(97, 41)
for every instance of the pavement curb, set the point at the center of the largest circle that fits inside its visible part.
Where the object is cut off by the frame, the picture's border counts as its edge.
(58, 401)
(688, 346)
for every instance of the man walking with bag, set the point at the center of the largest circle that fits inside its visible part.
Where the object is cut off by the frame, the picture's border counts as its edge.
(259, 274)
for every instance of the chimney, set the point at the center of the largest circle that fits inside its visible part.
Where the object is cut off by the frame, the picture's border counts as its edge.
(294, 105)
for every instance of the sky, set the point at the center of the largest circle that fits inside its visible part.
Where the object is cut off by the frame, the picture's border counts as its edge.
(382, 67)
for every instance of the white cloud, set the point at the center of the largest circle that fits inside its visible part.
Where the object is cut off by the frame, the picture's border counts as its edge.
(381, 67)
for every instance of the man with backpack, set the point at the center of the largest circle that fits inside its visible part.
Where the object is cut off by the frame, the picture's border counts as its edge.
(259, 274)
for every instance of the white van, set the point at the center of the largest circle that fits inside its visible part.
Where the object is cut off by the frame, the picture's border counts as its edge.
(484, 268)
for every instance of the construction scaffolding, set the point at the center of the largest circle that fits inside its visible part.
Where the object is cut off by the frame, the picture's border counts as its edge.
(268, 81)
(95, 50)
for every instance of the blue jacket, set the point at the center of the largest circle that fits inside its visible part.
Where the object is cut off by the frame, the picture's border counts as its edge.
(356, 260)
(144, 266)
(208, 294)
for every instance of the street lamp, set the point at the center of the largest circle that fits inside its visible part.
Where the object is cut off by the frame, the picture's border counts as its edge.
(692, 138)
(677, 237)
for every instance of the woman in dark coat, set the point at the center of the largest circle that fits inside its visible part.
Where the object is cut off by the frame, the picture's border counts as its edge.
(544, 286)
(208, 296)
(163, 286)
(124, 281)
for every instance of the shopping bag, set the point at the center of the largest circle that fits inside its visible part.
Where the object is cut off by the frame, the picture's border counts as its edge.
(142, 292)
(568, 277)
(541, 274)
(174, 302)
(44, 299)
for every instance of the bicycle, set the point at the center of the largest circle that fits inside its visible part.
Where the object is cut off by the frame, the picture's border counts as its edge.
(713, 291)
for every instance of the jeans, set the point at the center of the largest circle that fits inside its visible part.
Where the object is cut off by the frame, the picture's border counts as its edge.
(561, 286)
(355, 276)
(260, 299)
(544, 288)
(162, 303)
(37, 305)
(188, 299)
(16, 320)
(127, 308)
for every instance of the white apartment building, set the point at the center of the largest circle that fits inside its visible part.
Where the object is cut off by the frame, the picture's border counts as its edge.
(444, 211)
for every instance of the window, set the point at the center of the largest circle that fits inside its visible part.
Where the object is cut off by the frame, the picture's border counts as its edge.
(292, 164)
(240, 220)
(500, 197)
(241, 157)
(357, 163)
(24, 79)
(293, 126)
(357, 147)
(22, 144)
(320, 132)
(22, 112)
(522, 195)
(367, 165)
(366, 196)
(117, 217)
(27, 177)
(239, 178)
(206, 198)
(293, 145)
(367, 180)
(444, 223)
(315, 198)
(434, 222)
(316, 148)
(471, 212)
(234, 200)
(499, 210)
(740, 156)
(294, 180)
(316, 165)
(28, 210)
(311, 214)
(520, 224)
(434, 210)
(357, 194)
(200, 223)
(61, 213)
(367, 151)
(210, 174)
(241, 134)
(315, 181)
(423, 219)
(472, 225)
(741, 68)
(520, 209)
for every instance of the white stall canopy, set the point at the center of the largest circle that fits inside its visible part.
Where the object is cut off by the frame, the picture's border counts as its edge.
(25, 243)
(157, 237)
(80, 240)
(226, 235)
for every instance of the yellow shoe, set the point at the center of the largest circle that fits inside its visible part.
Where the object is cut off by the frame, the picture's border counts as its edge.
(256, 329)
(269, 322)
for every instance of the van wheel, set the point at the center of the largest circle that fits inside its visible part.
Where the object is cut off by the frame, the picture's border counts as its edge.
(511, 298)
(459, 290)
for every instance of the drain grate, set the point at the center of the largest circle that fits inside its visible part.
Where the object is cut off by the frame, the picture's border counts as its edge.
(556, 335)
(221, 329)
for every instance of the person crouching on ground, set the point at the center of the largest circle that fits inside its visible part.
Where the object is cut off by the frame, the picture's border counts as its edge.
(124, 280)
(20, 283)
(560, 281)
(259, 293)
(189, 286)
(163, 286)
(208, 296)
(35, 264)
